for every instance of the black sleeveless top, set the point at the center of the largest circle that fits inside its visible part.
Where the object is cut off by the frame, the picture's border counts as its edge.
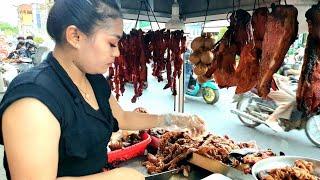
(85, 132)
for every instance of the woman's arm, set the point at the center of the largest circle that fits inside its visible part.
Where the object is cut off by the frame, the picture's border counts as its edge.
(129, 120)
(31, 136)
(115, 174)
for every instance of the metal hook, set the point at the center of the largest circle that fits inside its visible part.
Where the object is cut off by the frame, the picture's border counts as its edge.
(205, 18)
(152, 12)
(148, 14)
(233, 5)
(141, 2)
(265, 4)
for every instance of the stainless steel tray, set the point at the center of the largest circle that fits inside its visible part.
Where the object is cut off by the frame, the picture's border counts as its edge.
(282, 161)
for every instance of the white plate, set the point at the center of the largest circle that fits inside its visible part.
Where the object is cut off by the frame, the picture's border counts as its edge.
(216, 177)
(282, 161)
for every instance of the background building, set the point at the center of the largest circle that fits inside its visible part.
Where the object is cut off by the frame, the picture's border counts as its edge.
(25, 17)
(32, 18)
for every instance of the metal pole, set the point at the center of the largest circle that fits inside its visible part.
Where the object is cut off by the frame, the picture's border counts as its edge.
(179, 98)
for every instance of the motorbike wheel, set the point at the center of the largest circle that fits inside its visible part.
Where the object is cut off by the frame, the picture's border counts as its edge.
(313, 130)
(242, 106)
(210, 95)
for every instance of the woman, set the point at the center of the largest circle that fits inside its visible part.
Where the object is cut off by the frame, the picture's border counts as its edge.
(57, 118)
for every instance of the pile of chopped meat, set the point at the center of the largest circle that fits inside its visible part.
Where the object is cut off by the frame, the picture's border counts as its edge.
(175, 148)
(125, 141)
(158, 132)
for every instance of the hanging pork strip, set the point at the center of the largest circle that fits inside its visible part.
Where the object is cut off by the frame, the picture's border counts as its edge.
(247, 72)
(281, 32)
(226, 64)
(308, 93)
(238, 34)
(248, 69)
(259, 21)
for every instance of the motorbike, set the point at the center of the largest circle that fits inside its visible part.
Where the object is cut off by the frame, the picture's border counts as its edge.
(209, 90)
(253, 111)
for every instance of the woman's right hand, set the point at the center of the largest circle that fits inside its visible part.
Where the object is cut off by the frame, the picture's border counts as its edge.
(193, 124)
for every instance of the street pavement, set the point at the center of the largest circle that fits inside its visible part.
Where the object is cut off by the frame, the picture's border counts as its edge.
(219, 119)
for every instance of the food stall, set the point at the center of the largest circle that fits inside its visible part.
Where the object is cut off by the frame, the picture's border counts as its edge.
(212, 154)
(179, 13)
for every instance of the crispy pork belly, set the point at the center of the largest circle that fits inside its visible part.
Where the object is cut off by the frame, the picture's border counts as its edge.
(281, 32)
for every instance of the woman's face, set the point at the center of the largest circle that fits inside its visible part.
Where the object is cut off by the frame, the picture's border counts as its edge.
(97, 52)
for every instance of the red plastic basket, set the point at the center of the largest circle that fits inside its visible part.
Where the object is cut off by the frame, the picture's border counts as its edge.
(117, 156)
(155, 142)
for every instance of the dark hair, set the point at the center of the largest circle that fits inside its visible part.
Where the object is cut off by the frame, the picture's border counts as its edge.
(29, 37)
(84, 14)
(20, 37)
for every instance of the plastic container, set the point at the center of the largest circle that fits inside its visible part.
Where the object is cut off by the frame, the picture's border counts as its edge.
(117, 156)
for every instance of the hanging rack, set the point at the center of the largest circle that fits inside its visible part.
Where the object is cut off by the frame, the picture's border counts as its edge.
(148, 7)
(228, 19)
(254, 5)
(233, 8)
(148, 15)
(205, 18)
(141, 2)
(265, 4)
(232, 5)
(152, 12)
(285, 2)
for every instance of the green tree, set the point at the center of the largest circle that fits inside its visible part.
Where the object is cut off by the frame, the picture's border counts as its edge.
(8, 29)
(221, 32)
(38, 40)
